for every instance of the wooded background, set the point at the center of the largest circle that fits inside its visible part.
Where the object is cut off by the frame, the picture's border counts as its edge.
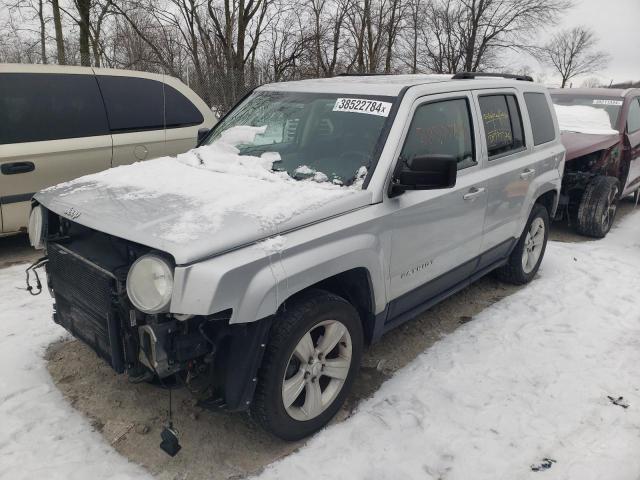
(223, 48)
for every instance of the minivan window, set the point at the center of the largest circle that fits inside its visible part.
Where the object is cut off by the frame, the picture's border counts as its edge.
(540, 116)
(502, 124)
(442, 127)
(39, 107)
(633, 121)
(135, 104)
(179, 109)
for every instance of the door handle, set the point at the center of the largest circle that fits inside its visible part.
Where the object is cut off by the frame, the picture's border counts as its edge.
(527, 173)
(17, 167)
(473, 193)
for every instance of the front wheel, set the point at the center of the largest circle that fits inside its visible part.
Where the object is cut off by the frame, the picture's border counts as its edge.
(526, 257)
(598, 207)
(311, 360)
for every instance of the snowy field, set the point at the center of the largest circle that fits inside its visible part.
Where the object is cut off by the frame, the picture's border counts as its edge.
(523, 386)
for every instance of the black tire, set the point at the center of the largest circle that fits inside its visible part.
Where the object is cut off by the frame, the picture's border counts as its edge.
(513, 271)
(598, 207)
(300, 316)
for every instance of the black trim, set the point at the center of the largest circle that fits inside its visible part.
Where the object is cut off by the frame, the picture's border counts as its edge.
(223, 117)
(473, 75)
(16, 168)
(382, 139)
(116, 131)
(242, 362)
(418, 300)
(21, 197)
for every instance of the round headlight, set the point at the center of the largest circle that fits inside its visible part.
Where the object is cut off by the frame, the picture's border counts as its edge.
(150, 284)
(36, 228)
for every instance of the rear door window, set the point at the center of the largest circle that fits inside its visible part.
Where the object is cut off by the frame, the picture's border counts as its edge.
(502, 124)
(442, 127)
(39, 107)
(540, 116)
(138, 104)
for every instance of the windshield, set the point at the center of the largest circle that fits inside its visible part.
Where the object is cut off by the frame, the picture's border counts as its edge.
(610, 105)
(327, 137)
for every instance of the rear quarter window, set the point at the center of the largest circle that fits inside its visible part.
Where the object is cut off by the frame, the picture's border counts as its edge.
(540, 116)
(138, 104)
(39, 107)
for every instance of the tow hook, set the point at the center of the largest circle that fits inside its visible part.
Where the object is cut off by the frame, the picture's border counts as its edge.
(37, 289)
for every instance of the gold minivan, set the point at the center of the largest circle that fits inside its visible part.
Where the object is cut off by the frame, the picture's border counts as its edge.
(58, 123)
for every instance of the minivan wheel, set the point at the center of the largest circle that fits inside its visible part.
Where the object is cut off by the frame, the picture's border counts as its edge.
(310, 362)
(526, 257)
(598, 207)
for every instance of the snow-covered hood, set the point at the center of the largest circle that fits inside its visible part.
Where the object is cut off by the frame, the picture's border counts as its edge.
(201, 203)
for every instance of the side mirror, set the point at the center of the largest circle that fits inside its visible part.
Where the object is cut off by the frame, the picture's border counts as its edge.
(202, 134)
(427, 172)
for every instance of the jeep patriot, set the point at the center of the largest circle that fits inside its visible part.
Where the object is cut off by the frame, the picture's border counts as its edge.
(313, 218)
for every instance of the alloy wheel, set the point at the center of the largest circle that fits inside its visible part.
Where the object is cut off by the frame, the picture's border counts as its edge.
(317, 370)
(533, 244)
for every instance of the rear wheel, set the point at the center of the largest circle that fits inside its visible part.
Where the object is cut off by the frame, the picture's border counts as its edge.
(598, 207)
(310, 363)
(526, 257)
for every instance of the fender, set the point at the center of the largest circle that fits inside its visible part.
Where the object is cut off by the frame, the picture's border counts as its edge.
(549, 181)
(254, 282)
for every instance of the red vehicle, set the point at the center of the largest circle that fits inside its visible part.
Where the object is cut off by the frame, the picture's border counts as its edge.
(601, 167)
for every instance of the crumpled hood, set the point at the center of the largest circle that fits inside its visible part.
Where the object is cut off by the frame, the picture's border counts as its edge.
(192, 211)
(579, 144)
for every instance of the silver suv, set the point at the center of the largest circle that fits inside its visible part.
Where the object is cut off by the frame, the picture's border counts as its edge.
(316, 216)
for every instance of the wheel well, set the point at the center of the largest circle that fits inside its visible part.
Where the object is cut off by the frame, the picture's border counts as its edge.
(355, 287)
(548, 201)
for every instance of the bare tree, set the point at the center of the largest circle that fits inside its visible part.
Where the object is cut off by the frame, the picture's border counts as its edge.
(573, 52)
(57, 24)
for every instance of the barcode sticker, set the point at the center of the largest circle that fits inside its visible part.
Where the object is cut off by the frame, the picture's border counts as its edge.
(362, 105)
(602, 101)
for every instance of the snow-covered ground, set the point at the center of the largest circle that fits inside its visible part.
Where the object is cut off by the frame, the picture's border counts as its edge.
(526, 380)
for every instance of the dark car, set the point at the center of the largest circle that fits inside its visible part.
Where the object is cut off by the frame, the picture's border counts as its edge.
(601, 166)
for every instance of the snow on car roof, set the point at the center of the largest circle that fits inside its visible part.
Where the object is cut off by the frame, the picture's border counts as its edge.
(390, 85)
(367, 84)
(600, 92)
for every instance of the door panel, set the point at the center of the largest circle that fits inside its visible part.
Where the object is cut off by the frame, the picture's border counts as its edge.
(53, 128)
(436, 231)
(509, 167)
(516, 163)
(54, 162)
(436, 234)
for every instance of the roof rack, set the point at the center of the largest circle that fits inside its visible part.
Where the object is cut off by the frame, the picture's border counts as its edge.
(472, 75)
(355, 74)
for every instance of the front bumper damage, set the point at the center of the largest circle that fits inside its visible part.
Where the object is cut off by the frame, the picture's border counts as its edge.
(217, 361)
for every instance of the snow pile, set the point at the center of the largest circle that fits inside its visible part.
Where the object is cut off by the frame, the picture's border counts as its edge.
(41, 436)
(584, 119)
(526, 380)
(210, 182)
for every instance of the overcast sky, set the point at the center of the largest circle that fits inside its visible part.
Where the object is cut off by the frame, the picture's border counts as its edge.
(617, 25)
